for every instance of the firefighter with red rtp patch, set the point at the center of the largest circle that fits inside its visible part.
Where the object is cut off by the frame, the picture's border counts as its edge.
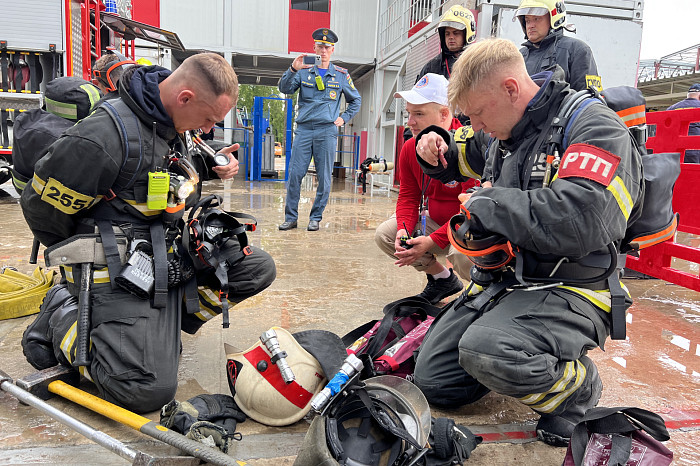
(543, 234)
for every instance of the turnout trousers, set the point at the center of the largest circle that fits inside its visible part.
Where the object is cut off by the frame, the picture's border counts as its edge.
(530, 345)
(135, 348)
(319, 142)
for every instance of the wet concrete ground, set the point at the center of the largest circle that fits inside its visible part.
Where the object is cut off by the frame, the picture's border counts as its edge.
(336, 279)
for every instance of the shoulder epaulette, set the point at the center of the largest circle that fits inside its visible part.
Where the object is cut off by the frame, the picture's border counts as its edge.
(342, 70)
(464, 133)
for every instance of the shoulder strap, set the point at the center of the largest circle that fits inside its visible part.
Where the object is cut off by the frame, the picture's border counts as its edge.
(130, 133)
(577, 111)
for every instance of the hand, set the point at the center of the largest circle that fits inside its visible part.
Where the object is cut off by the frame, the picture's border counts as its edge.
(339, 122)
(431, 148)
(464, 197)
(397, 240)
(227, 172)
(298, 62)
(420, 245)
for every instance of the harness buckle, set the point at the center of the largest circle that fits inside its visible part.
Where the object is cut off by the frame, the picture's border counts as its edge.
(110, 195)
(247, 250)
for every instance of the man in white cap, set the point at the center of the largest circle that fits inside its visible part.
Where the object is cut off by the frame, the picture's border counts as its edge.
(425, 207)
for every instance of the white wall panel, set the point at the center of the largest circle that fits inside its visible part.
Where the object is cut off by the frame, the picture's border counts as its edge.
(199, 24)
(32, 25)
(260, 25)
(355, 22)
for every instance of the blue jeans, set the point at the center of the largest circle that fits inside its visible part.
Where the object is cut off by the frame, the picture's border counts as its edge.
(319, 142)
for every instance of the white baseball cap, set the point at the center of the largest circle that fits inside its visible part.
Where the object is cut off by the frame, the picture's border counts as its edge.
(430, 88)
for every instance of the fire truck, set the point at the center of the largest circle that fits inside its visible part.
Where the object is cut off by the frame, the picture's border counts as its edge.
(45, 39)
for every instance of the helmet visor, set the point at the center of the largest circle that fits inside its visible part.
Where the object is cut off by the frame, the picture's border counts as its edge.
(452, 24)
(406, 400)
(531, 11)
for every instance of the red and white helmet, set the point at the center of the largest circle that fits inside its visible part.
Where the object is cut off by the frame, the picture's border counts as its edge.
(259, 389)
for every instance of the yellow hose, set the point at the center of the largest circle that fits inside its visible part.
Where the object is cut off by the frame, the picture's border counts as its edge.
(21, 295)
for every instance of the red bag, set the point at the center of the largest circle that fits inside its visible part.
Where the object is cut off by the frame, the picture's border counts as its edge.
(616, 437)
(387, 346)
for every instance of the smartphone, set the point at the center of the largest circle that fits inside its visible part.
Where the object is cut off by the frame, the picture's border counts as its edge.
(312, 60)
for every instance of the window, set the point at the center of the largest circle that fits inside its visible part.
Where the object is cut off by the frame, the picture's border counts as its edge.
(311, 5)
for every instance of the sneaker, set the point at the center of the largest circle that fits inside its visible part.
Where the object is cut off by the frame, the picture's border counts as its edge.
(436, 289)
(37, 344)
(556, 430)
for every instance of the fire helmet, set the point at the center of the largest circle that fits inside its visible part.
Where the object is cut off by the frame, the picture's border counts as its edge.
(383, 422)
(554, 8)
(70, 97)
(459, 18)
(258, 388)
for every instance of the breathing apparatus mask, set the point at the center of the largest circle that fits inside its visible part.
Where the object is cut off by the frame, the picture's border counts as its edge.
(207, 236)
(110, 74)
(488, 252)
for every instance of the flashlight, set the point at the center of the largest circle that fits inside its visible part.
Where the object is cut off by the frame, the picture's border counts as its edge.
(218, 158)
(269, 339)
(181, 187)
(350, 367)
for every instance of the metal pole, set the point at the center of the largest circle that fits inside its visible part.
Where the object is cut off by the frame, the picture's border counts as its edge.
(96, 436)
(142, 424)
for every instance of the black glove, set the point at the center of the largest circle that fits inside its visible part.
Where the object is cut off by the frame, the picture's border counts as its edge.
(449, 443)
(210, 419)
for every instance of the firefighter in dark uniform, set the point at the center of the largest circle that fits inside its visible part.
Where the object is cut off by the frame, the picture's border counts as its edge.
(530, 340)
(456, 29)
(318, 120)
(134, 343)
(543, 22)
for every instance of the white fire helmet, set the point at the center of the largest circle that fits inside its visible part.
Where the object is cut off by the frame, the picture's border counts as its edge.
(258, 388)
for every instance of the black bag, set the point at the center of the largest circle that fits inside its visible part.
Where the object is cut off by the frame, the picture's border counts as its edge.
(616, 436)
(388, 346)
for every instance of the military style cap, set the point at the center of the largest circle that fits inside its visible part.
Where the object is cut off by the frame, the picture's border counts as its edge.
(324, 36)
(694, 88)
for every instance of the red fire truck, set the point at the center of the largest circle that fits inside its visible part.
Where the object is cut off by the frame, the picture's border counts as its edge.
(45, 39)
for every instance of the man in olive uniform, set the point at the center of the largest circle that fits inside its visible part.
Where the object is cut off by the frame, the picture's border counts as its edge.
(317, 121)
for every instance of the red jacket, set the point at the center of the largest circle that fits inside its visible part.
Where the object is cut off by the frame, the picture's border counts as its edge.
(442, 198)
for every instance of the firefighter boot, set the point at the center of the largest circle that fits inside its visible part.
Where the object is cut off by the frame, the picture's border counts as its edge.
(37, 343)
(556, 430)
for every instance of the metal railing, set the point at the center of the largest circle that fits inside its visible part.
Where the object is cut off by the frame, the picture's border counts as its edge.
(399, 17)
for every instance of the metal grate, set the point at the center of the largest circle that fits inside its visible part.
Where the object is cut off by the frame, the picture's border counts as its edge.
(76, 39)
(124, 8)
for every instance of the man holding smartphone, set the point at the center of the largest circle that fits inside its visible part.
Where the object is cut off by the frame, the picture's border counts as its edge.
(320, 85)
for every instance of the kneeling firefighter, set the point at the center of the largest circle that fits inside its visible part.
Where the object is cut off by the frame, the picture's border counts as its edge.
(108, 199)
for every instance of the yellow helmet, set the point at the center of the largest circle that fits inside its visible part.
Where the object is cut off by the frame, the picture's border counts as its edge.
(554, 8)
(144, 62)
(459, 18)
(259, 389)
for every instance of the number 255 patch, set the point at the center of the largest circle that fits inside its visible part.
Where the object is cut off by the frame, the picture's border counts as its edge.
(64, 199)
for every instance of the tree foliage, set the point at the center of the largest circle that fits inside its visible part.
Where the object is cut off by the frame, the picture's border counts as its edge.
(274, 108)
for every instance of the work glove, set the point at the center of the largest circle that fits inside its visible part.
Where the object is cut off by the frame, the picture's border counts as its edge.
(450, 443)
(209, 419)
